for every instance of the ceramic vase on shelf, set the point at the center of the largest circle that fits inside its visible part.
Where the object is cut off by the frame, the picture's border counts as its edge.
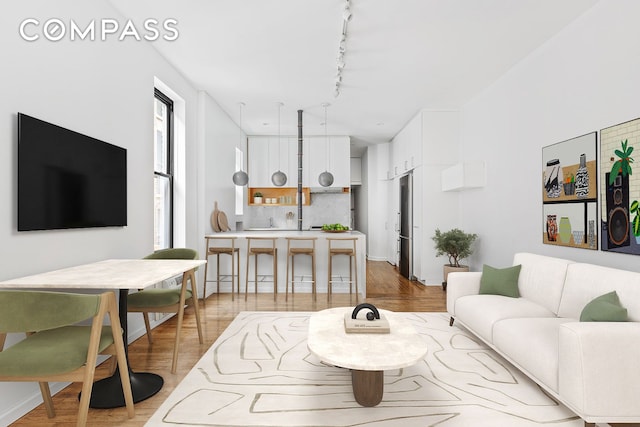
(564, 229)
(582, 178)
(553, 178)
(552, 228)
(591, 236)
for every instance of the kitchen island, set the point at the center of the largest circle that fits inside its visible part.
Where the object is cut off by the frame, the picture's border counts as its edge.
(303, 263)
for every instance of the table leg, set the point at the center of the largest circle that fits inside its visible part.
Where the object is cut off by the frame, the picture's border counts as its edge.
(107, 393)
(368, 386)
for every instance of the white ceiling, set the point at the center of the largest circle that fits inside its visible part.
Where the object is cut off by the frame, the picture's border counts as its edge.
(402, 56)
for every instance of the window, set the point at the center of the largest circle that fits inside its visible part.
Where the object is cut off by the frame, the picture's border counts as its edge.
(163, 172)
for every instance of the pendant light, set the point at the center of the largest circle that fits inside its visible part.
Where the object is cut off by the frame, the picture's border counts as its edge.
(240, 177)
(279, 178)
(326, 178)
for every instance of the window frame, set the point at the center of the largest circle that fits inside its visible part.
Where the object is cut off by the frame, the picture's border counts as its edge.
(168, 173)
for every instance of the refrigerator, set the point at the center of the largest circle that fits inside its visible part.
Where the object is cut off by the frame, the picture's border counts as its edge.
(405, 231)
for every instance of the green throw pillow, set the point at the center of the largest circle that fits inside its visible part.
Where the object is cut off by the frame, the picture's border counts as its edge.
(500, 281)
(605, 308)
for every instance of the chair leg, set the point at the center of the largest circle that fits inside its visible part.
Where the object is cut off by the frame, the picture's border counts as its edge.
(147, 326)
(85, 396)
(313, 275)
(204, 289)
(246, 277)
(286, 281)
(293, 274)
(329, 278)
(194, 300)
(275, 273)
(237, 272)
(232, 271)
(355, 267)
(218, 273)
(176, 343)
(126, 385)
(46, 396)
(350, 275)
(255, 274)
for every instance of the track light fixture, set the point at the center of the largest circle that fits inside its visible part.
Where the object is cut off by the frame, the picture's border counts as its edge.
(342, 47)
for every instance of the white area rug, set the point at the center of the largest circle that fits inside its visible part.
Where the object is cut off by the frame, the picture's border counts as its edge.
(260, 373)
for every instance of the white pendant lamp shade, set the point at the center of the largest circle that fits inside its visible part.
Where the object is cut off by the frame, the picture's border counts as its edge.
(240, 177)
(279, 178)
(325, 179)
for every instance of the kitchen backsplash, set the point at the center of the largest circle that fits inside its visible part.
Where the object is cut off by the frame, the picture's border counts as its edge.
(325, 208)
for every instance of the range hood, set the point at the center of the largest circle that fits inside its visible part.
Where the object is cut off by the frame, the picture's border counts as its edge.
(325, 190)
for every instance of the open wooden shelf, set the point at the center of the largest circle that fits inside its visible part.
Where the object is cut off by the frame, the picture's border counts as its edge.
(277, 193)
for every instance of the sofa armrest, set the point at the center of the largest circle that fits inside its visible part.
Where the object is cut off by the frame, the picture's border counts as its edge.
(460, 284)
(598, 369)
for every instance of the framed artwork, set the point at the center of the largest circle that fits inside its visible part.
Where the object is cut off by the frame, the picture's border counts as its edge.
(619, 188)
(570, 193)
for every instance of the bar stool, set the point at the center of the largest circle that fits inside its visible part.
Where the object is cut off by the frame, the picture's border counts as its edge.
(342, 250)
(223, 250)
(261, 250)
(291, 254)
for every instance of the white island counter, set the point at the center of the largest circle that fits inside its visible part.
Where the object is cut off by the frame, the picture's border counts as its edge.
(303, 263)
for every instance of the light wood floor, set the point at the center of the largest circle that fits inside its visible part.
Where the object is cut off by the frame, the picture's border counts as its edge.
(385, 289)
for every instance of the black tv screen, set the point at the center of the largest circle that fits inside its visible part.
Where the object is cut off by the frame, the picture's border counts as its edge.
(68, 180)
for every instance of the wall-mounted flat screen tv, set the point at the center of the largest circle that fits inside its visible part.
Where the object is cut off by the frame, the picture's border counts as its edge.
(68, 180)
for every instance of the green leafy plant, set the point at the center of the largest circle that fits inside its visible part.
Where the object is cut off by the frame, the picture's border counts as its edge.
(257, 194)
(455, 243)
(622, 166)
(635, 209)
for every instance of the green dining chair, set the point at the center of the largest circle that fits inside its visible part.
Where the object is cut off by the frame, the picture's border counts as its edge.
(55, 347)
(168, 300)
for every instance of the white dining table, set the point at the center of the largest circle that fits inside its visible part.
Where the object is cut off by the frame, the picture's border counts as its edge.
(117, 274)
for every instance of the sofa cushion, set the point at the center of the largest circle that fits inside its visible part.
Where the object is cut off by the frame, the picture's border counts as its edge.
(532, 343)
(605, 308)
(481, 312)
(541, 279)
(588, 281)
(500, 281)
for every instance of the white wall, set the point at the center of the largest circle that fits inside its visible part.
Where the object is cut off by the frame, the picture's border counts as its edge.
(584, 79)
(104, 90)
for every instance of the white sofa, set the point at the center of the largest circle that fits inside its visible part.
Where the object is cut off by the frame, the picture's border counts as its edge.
(591, 367)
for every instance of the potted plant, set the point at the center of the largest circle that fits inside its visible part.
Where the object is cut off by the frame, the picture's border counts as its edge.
(622, 166)
(635, 209)
(456, 244)
(257, 198)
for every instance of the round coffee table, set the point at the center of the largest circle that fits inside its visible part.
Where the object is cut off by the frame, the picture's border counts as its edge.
(367, 355)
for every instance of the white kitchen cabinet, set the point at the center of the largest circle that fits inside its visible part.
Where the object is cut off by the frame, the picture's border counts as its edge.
(278, 157)
(292, 151)
(428, 144)
(406, 147)
(335, 159)
(340, 161)
(258, 162)
(267, 155)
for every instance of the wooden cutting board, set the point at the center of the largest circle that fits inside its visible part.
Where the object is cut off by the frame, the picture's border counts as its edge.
(214, 218)
(223, 223)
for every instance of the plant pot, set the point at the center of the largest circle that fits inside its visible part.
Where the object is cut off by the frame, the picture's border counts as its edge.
(450, 269)
(257, 200)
